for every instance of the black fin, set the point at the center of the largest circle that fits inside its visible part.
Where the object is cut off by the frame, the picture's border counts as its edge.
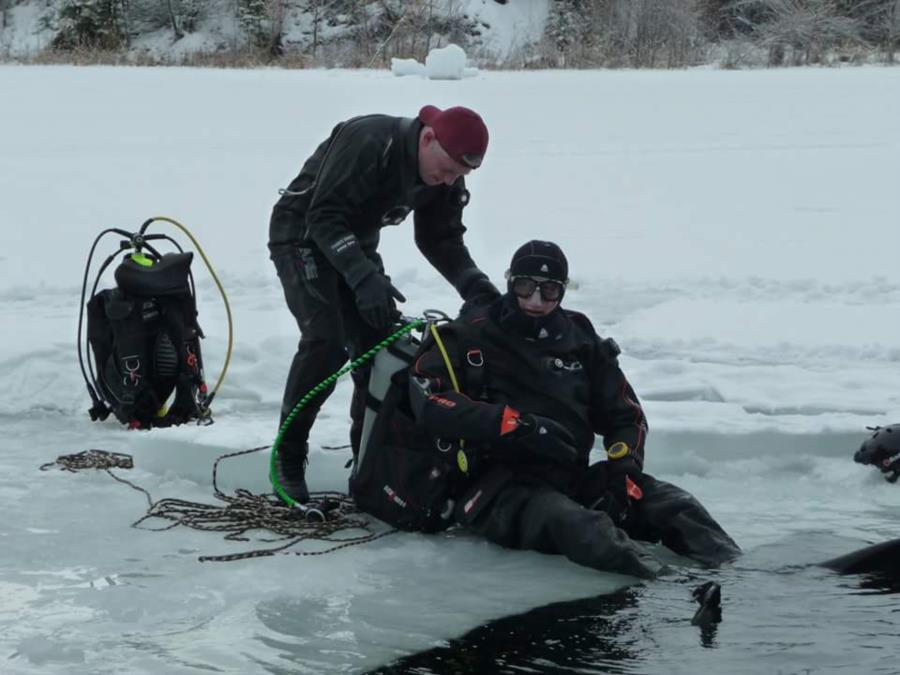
(883, 558)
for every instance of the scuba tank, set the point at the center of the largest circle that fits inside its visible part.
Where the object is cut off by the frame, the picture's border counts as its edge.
(397, 476)
(144, 335)
(397, 356)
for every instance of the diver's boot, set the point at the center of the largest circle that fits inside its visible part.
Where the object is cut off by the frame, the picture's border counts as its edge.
(290, 471)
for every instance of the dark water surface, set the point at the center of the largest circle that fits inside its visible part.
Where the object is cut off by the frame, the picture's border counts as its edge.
(786, 621)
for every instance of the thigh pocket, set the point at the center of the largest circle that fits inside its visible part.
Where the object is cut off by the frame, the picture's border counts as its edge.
(300, 269)
(481, 494)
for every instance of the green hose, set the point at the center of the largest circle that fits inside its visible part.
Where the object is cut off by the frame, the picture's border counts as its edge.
(324, 384)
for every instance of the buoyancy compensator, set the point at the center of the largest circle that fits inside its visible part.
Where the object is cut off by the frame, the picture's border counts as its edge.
(144, 336)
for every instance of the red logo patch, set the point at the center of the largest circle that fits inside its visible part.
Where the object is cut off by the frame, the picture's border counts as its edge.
(447, 403)
(509, 421)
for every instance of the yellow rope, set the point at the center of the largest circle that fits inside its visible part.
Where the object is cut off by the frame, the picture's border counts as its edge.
(461, 460)
(221, 291)
(440, 344)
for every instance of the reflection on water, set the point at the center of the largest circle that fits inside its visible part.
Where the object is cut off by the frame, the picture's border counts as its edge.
(791, 620)
(583, 635)
(708, 634)
(878, 584)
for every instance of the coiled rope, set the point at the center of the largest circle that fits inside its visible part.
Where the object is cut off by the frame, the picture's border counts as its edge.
(242, 512)
(327, 514)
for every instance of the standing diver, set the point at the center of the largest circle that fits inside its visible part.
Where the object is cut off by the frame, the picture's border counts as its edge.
(323, 237)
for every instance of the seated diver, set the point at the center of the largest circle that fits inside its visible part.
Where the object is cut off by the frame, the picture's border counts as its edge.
(535, 384)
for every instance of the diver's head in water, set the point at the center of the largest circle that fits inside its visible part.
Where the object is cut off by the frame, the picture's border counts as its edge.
(882, 449)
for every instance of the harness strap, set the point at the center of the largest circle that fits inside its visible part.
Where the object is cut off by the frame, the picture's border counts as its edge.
(180, 322)
(462, 460)
(475, 373)
(131, 322)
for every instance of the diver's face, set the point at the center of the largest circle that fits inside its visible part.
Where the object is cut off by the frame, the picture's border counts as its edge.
(435, 165)
(531, 294)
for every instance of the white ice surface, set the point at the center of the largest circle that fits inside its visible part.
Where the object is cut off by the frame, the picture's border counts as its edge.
(736, 232)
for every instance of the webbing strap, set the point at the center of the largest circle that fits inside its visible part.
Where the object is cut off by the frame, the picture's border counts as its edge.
(475, 373)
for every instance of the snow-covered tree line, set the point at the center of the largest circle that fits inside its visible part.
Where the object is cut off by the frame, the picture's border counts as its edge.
(355, 32)
(674, 33)
(577, 33)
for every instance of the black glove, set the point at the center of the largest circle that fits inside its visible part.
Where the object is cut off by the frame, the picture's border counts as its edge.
(622, 478)
(481, 290)
(546, 439)
(375, 296)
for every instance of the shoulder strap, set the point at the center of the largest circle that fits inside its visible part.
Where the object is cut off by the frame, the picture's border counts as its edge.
(180, 320)
(475, 373)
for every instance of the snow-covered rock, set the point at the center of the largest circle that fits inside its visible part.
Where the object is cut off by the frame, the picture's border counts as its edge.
(401, 67)
(446, 63)
(442, 63)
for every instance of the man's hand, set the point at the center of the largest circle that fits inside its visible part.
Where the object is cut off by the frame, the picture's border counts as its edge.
(622, 477)
(545, 438)
(375, 296)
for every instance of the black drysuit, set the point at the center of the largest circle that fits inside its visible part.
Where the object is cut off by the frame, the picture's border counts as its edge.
(323, 239)
(556, 367)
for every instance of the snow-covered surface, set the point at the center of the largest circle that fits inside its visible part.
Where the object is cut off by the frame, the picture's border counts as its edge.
(736, 232)
(23, 34)
(507, 27)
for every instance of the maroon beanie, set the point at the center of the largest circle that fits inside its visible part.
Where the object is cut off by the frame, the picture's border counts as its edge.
(460, 131)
